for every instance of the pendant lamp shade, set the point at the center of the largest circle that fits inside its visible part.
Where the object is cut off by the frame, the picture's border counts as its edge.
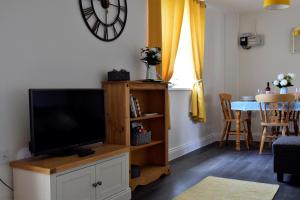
(296, 32)
(276, 4)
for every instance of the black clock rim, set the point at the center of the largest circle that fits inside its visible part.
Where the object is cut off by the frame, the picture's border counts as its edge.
(97, 36)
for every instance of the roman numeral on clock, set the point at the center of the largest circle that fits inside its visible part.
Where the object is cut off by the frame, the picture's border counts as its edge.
(115, 31)
(96, 26)
(88, 12)
(120, 21)
(105, 35)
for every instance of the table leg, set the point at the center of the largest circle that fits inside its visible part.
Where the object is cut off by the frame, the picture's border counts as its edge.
(250, 136)
(238, 130)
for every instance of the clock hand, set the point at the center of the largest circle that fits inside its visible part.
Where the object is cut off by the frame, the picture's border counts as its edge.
(118, 6)
(106, 13)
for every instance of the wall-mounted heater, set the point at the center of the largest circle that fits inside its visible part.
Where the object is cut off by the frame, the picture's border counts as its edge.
(249, 40)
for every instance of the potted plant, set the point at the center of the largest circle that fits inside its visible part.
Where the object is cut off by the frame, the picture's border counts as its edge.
(151, 57)
(284, 81)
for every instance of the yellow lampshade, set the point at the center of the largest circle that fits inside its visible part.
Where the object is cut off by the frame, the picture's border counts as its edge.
(276, 4)
(296, 32)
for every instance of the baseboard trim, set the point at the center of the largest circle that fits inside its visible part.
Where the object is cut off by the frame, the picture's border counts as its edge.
(186, 148)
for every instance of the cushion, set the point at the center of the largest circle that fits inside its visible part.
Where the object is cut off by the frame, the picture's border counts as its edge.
(286, 144)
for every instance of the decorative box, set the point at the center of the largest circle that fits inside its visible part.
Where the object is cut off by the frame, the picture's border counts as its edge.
(121, 75)
(140, 138)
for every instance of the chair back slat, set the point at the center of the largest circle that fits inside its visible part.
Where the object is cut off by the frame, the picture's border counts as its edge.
(275, 108)
(226, 106)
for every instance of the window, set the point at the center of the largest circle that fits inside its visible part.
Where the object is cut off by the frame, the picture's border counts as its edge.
(184, 72)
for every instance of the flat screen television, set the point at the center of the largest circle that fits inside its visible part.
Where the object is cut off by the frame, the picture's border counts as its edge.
(64, 119)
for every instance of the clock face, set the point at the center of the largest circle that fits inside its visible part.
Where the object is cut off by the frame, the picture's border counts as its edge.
(106, 19)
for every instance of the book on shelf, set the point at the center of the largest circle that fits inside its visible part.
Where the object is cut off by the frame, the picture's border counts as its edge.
(135, 109)
(137, 106)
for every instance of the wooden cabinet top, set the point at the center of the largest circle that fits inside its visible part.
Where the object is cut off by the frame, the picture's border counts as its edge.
(52, 165)
(139, 85)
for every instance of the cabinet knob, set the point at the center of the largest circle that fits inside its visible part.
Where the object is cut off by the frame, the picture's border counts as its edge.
(99, 183)
(95, 185)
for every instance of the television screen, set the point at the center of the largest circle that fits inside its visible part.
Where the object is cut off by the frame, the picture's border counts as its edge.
(65, 118)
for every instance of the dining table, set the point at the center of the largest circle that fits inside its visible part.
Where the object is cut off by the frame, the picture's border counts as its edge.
(248, 106)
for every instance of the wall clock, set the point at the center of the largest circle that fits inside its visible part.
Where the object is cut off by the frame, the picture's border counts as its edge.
(106, 19)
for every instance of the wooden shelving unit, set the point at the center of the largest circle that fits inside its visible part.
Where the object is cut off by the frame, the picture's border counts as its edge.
(149, 173)
(153, 157)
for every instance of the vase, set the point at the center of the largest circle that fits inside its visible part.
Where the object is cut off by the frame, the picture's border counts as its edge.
(151, 72)
(283, 90)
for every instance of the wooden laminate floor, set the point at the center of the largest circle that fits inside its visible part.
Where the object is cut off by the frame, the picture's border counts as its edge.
(221, 162)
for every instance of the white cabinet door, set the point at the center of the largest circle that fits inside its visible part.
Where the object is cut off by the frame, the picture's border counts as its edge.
(113, 176)
(77, 185)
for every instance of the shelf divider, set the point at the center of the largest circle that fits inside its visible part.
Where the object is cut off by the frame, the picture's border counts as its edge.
(153, 142)
(146, 117)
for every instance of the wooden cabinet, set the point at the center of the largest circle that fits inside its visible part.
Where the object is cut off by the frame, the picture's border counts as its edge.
(114, 177)
(152, 158)
(76, 185)
(96, 177)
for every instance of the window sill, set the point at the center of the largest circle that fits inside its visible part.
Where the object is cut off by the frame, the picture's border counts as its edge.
(179, 89)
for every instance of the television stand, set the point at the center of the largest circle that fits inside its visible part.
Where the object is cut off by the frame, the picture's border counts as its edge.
(81, 152)
(104, 173)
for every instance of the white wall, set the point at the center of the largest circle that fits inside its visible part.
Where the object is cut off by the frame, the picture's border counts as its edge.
(262, 64)
(45, 44)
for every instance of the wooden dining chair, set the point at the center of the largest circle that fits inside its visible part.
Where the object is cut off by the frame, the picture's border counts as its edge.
(293, 128)
(294, 123)
(229, 119)
(275, 110)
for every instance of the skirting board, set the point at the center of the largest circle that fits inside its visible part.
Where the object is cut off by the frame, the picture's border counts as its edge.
(186, 148)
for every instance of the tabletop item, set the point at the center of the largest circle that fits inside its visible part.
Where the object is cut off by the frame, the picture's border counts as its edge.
(151, 57)
(284, 81)
(268, 89)
(121, 75)
(247, 98)
(259, 91)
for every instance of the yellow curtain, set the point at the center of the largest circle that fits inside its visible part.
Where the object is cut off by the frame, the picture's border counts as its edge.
(197, 21)
(154, 26)
(164, 27)
(171, 21)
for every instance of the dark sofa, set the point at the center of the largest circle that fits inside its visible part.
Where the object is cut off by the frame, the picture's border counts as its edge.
(286, 150)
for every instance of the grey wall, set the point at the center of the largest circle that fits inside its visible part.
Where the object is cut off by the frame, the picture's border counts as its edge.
(45, 43)
(263, 64)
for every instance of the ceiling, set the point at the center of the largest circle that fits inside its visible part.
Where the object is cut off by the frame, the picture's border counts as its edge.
(243, 6)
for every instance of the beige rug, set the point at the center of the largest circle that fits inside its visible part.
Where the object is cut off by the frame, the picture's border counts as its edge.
(213, 188)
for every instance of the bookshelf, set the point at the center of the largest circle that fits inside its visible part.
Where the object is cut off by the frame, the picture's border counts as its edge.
(152, 158)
